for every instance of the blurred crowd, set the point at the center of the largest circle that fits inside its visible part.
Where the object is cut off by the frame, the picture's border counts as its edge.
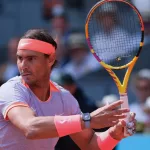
(77, 67)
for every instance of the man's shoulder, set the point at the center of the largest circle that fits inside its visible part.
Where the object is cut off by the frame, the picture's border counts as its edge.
(66, 95)
(11, 83)
(70, 103)
(56, 87)
(12, 91)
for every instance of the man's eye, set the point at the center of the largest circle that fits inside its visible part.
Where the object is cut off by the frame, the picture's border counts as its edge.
(19, 58)
(30, 58)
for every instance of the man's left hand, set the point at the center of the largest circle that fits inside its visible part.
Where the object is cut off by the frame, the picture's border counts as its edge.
(117, 131)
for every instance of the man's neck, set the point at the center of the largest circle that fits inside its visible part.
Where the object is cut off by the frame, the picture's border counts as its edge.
(42, 91)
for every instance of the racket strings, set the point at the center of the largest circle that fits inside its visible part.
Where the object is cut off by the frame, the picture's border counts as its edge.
(115, 34)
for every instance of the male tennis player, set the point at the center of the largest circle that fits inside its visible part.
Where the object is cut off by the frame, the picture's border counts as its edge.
(35, 112)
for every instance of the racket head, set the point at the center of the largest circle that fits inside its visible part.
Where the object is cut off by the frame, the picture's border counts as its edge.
(106, 53)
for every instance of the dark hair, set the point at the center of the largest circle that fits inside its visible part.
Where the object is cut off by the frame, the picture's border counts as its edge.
(42, 35)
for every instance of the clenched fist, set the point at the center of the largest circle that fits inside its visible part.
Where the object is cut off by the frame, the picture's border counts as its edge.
(117, 131)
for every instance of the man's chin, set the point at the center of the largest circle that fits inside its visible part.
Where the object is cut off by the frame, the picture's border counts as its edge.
(28, 79)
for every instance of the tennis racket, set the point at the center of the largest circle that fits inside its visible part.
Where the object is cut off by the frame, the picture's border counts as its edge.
(114, 32)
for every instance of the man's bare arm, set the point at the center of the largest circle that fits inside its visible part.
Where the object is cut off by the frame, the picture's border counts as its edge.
(85, 140)
(33, 127)
(44, 127)
(88, 139)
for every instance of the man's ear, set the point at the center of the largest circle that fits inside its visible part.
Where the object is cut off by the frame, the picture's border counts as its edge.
(52, 59)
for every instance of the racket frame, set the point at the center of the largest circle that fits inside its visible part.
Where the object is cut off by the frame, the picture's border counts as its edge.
(122, 87)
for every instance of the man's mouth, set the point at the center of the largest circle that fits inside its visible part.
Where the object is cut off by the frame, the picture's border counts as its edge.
(25, 74)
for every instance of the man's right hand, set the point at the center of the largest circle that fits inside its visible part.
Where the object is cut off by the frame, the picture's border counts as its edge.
(108, 115)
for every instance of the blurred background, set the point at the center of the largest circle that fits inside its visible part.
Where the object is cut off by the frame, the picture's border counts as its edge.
(77, 69)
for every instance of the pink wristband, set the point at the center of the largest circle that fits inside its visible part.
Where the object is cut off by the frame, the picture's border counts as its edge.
(66, 125)
(106, 142)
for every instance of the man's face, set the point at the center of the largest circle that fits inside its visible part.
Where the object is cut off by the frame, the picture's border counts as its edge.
(33, 66)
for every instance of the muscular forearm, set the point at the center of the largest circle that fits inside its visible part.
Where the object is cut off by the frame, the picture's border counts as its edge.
(49, 127)
(93, 145)
(40, 128)
(35, 127)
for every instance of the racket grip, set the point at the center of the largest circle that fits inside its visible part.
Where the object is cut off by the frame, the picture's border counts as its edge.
(124, 97)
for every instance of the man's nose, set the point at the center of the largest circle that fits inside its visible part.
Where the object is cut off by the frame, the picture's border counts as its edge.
(24, 64)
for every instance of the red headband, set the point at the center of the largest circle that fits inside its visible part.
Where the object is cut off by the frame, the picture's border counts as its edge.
(36, 45)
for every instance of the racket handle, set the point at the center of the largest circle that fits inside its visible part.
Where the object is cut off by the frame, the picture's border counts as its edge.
(124, 97)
